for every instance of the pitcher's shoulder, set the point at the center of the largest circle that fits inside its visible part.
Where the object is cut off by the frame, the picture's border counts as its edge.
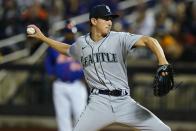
(80, 39)
(115, 33)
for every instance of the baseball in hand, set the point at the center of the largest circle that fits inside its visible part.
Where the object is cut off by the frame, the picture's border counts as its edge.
(30, 30)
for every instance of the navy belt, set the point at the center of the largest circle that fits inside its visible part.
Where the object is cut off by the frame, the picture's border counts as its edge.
(110, 92)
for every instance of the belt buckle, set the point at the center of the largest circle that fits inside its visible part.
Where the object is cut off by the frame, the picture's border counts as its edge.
(124, 92)
(95, 91)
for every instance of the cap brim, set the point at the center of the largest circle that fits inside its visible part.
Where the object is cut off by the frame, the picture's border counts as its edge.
(112, 15)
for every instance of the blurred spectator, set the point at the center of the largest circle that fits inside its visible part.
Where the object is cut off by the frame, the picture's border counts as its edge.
(10, 24)
(173, 50)
(163, 24)
(122, 23)
(145, 25)
(165, 12)
(69, 92)
(74, 8)
(145, 21)
(23, 4)
(169, 17)
(188, 32)
(9, 19)
(35, 13)
(56, 12)
(189, 24)
(167, 6)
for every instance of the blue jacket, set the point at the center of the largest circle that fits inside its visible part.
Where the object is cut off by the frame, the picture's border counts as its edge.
(63, 67)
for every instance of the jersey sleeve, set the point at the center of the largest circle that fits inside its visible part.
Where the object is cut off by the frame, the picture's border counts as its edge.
(128, 40)
(73, 51)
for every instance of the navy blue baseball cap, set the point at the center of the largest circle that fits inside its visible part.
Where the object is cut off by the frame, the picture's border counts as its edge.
(101, 11)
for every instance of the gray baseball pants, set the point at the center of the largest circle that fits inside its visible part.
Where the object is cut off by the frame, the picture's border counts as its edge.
(103, 110)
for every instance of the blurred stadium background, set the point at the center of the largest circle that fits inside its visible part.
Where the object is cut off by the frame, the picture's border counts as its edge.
(25, 89)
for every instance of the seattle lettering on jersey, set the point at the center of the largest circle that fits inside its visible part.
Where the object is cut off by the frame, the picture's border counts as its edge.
(98, 57)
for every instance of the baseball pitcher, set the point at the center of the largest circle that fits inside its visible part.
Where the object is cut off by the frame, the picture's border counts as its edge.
(103, 54)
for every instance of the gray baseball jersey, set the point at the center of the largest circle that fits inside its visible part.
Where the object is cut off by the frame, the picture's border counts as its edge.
(104, 62)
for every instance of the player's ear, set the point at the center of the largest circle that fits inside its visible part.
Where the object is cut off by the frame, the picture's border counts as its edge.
(93, 21)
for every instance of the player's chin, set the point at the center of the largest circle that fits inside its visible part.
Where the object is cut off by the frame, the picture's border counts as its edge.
(105, 33)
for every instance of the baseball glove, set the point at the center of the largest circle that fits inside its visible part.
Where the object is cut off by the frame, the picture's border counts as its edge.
(163, 83)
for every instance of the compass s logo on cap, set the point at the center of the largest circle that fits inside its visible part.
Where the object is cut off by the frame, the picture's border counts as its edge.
(108, 9)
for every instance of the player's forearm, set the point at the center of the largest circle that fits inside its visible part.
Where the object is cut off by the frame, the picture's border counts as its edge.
(155, 47)
(59, 46)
